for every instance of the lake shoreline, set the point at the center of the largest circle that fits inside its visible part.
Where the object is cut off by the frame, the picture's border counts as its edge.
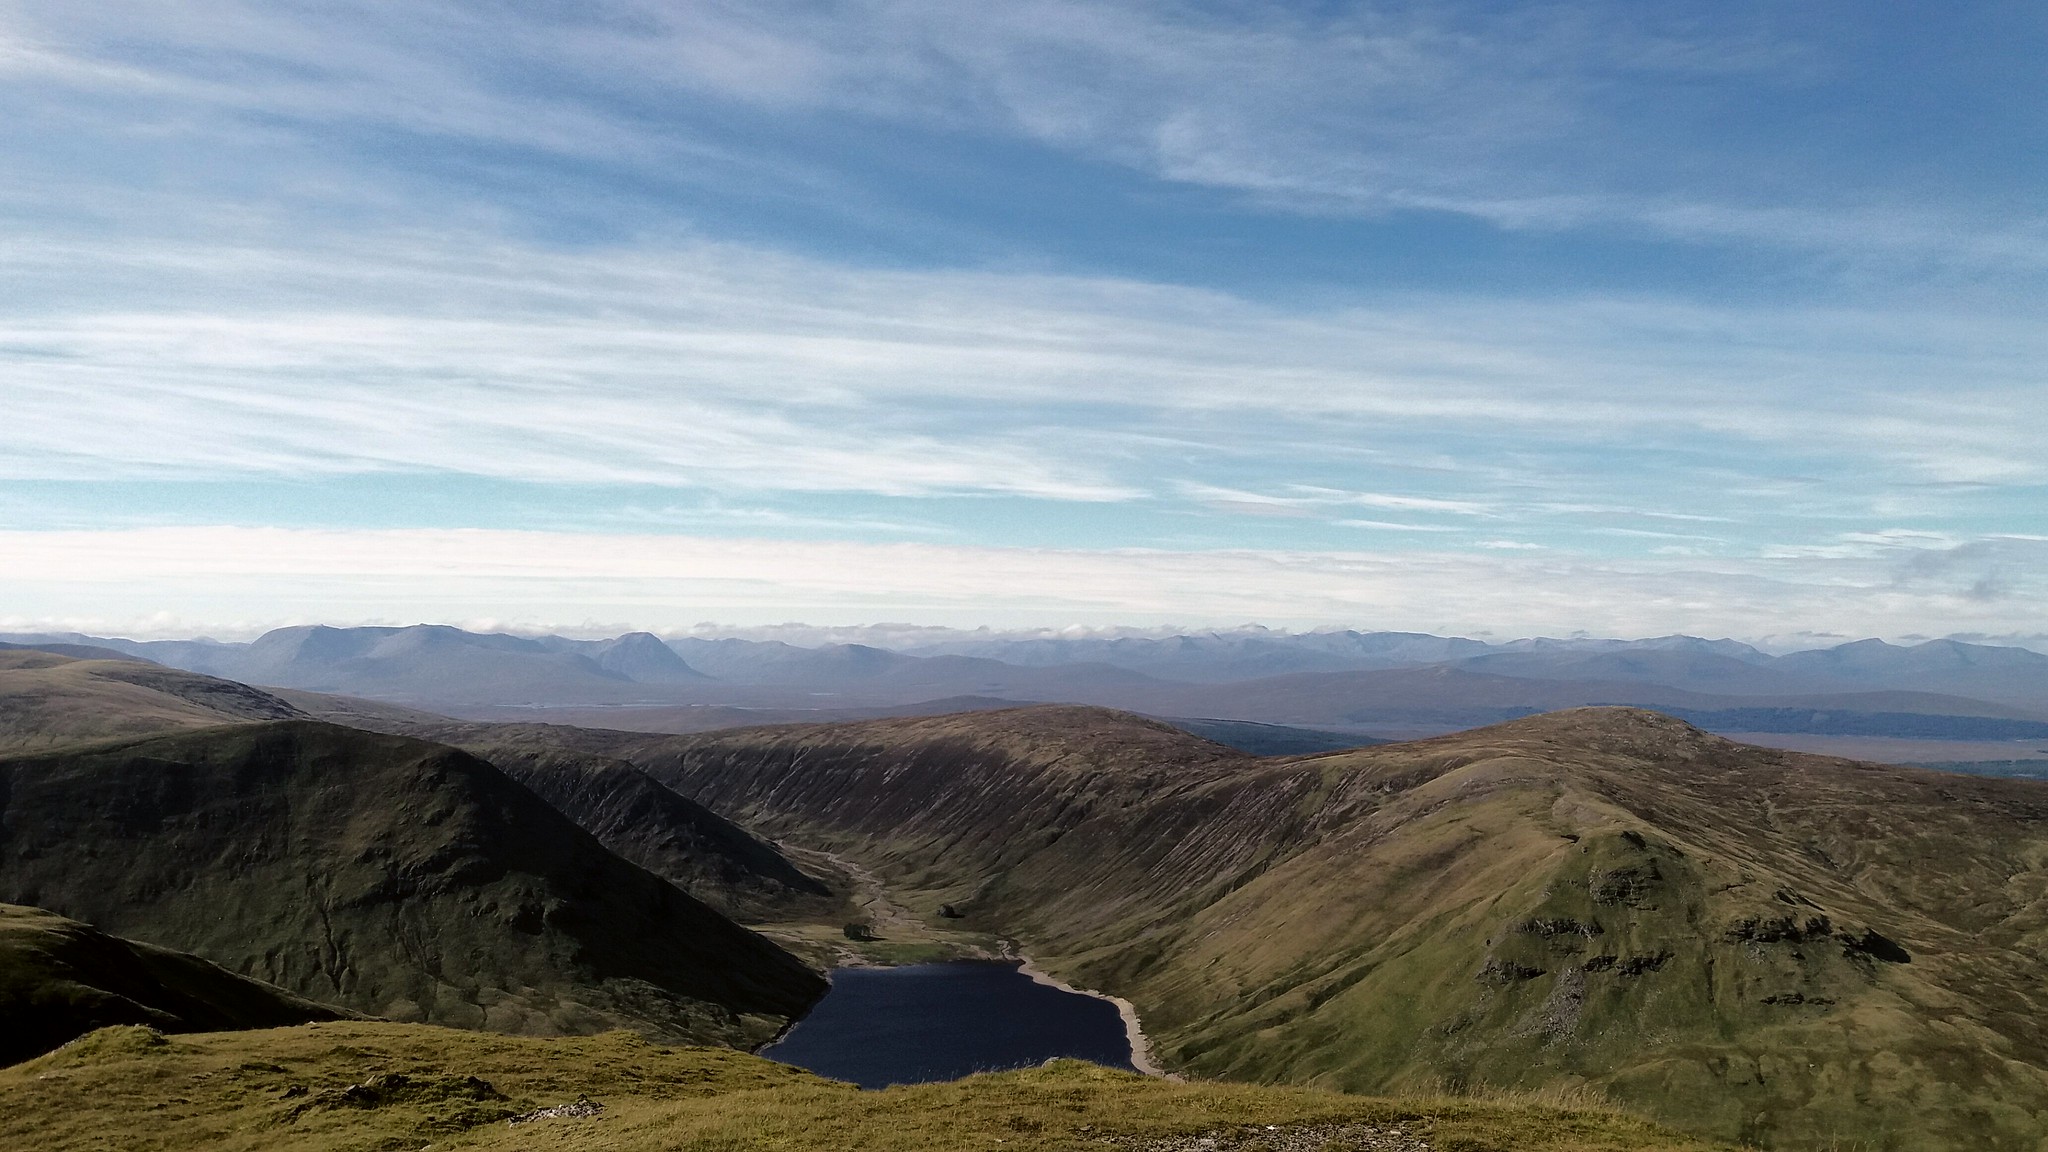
(1134, 1031)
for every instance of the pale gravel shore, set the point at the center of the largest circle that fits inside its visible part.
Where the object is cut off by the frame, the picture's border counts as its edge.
(1330, 1137)
(1141, 1045)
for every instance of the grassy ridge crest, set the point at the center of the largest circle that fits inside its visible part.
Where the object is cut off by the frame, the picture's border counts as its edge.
(363, 1087)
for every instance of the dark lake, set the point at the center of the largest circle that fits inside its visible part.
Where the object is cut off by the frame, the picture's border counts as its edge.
(882, 1026)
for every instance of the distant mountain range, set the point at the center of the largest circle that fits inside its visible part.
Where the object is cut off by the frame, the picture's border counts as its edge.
(1396, 682)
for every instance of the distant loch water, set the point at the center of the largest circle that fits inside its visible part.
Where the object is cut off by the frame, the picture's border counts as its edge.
(925, 1022)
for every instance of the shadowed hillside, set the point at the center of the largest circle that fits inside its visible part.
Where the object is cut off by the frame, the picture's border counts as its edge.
(1758, 944)
(630, 812)
(396, 877)
(675, 838)
(60, 979)
(47, 701)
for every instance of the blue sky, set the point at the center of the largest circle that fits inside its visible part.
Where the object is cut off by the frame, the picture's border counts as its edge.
(1491, 318)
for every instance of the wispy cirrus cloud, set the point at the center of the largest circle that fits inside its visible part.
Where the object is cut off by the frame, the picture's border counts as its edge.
(1593, 282)
(739, 369)
(1596, 114)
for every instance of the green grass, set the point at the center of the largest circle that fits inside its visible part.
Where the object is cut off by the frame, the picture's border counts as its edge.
(1362, 921)
(887, 952)
(51, 701)
(60, 979)
(398, 878)
(368, 1087)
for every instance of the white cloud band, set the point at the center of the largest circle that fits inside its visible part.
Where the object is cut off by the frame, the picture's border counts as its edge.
(242, 580)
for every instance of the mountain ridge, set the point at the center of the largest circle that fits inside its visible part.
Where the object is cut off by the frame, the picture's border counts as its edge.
(1381, 683)
(1598, 896)
(389, 875)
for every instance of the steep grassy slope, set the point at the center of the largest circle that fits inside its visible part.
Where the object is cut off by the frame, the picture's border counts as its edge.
(60, 979)
(678, 839)
(335, 1087)
(392, 876)
(631, 813)
(1751, 943)
(48, 700)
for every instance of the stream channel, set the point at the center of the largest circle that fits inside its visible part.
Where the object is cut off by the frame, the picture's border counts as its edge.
(926, 1022)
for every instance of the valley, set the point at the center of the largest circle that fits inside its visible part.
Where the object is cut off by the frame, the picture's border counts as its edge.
(1732, 939)
(1599, 905)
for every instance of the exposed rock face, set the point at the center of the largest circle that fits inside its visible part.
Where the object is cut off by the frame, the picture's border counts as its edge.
(392, 876)
(1763, 945)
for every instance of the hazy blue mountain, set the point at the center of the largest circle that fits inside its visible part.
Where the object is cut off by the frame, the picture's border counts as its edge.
(2016, 675)
(881, 676)
(1695, 669)
(1262, 676)
(73, 651)
(771, 662)
(1214, 657)
(637, 656)
(191, 655)
(1444, 697)
(1733, 649)
(427, 663)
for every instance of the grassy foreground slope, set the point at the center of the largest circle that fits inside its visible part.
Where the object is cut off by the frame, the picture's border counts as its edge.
(60, 979)
(363, 1086)
(1786, 949)
(395, 877)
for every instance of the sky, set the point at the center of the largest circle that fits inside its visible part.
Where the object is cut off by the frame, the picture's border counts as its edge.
(1471, 317)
